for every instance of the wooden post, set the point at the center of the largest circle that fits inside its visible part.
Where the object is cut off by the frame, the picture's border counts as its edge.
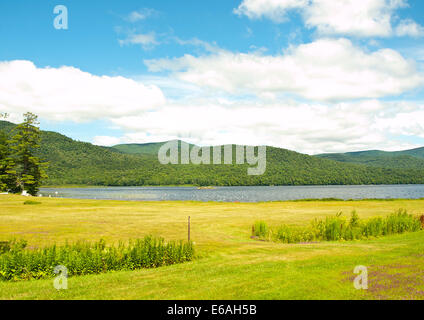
(189, 229)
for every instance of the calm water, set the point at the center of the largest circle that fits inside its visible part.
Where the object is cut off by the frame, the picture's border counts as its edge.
(242, 194)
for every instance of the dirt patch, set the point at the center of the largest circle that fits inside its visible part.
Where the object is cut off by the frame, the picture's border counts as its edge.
(396, 281)
(257, 239)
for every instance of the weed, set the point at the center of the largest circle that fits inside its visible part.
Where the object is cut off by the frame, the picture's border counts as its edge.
(337, 228)
(18, 263)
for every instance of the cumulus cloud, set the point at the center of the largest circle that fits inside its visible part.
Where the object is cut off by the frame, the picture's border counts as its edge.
(147, 40)
(305, 127)
(409, 27)
(67, 93)
(406, 123)
(325, 70)
(106, 141)
(143, 114)
(276, 10)
(365, 18)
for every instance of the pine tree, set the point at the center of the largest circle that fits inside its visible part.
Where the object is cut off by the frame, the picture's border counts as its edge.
(25, 141)
(7, 171)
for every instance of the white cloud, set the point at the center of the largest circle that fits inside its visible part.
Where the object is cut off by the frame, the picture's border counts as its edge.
(67, 93)
(106, 141)
(276, 10)
(139, 15)
(364, 18)
(143, 114)
(305, 127)
(197, 43)
(409, 27)
(325, 70)
(147, 40)
(407, 123)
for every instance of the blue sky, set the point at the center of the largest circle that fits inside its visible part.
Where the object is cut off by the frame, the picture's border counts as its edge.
(299, 74)
(91, 43)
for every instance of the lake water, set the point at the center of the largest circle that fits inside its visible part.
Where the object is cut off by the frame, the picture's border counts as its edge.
(241, 194)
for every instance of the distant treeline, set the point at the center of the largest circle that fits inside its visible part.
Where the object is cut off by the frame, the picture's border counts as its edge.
(74, 162)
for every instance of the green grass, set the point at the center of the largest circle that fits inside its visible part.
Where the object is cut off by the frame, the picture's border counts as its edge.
(231, 265)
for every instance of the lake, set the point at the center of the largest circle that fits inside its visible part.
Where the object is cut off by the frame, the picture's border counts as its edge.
(240, 194)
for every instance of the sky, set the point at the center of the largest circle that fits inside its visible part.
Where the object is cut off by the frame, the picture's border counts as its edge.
(314, 76)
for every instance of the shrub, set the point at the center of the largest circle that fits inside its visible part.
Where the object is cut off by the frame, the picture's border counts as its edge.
(288, 234)
(260, 229)
(31, 202)
(401, 222)
(354, 220)
(12, 245)
(87, 258)
(336, 228)
(374, 227)
(4, 246)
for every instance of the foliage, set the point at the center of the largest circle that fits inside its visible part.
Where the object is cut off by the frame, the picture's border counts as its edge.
(8, 179)
(398, 159)
(81, 258)
(79, 163)
(260, 229)
(288, 234)
(337, 228)
(12, 246)
(24, 144)
(31, 202)
(139, 148)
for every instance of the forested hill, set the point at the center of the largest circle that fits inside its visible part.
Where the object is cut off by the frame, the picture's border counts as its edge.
(74, 162)
(398, 159)
(139, 148)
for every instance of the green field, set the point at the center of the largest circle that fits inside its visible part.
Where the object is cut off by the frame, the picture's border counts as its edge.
(229, 265)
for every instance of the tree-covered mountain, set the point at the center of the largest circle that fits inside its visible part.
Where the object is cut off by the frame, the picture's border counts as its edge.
(398, 159)
(151, 148)
(74, 162)
(139, 148)
(418, 152)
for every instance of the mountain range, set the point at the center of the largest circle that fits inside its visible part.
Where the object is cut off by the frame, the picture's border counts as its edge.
(82, 163)
(398, 159)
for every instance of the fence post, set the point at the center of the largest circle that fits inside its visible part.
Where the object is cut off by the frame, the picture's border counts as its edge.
(189, 229)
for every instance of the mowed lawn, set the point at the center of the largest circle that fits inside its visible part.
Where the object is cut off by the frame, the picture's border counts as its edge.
(229, 265)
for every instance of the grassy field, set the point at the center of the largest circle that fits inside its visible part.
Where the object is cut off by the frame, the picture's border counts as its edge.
(230, 265)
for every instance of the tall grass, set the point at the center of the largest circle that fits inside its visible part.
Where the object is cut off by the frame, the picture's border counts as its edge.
(260, 229)
(81, 258)
(338, 228)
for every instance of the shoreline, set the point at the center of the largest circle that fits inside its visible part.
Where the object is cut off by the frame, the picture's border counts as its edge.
(329, 200)
(213, 186)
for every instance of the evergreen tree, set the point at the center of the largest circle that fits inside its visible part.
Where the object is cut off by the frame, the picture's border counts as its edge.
(7, 171)
(25, 142)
